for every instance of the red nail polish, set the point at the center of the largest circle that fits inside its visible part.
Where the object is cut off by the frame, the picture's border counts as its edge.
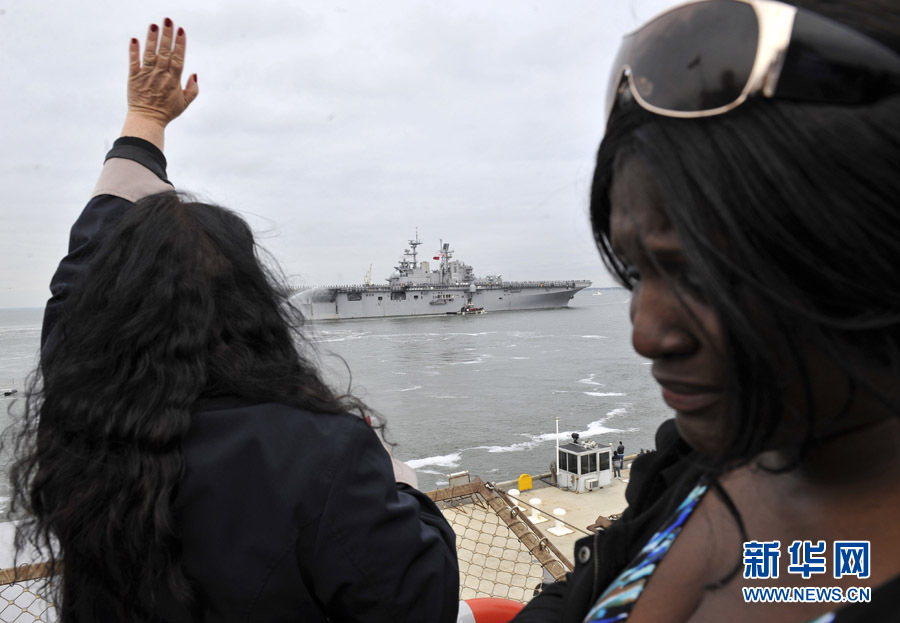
(195, 79)
(153, 28)
(133, 41)
(168, 23)
(181, 32)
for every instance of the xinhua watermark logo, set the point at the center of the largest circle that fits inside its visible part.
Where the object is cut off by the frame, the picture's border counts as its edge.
(851, 558)
(762, 561)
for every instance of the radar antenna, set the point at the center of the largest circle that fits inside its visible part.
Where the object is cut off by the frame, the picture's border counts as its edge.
(368, 279)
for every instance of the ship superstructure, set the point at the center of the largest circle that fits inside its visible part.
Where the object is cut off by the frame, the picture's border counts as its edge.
(434, 287)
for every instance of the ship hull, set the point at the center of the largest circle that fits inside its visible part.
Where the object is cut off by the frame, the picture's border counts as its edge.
(345, 303)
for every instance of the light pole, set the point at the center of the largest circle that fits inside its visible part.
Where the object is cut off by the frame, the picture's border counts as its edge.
(556, 460)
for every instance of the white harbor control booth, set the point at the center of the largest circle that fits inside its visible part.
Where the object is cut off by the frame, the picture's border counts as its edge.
(583, 466)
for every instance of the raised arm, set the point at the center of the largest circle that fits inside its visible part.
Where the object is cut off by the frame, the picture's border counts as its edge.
(135, 167)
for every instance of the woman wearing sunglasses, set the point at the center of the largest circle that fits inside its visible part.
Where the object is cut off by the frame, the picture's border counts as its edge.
(183, 459)
(746, 191)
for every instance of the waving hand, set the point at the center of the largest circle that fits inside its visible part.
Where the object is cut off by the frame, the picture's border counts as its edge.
(155, 94)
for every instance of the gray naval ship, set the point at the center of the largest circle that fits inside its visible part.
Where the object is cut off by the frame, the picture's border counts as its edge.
(422, 289)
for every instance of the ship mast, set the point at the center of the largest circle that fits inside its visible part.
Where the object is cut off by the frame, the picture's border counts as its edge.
(445, 254)
(414, 244)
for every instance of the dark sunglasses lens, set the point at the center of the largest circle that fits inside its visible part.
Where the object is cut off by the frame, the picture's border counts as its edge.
(694, 58)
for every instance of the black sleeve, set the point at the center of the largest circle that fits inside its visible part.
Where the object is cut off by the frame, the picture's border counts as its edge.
(547, 606)
(143, 152)
(117, 190)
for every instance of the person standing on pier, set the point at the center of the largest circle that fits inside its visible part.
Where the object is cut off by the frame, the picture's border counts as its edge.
(620, 459)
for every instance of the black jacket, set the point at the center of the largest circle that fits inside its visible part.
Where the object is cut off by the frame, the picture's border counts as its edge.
(288, 515)
(285, 515)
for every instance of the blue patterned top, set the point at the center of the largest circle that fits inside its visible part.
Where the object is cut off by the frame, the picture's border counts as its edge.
(618, 599)
(616, 602)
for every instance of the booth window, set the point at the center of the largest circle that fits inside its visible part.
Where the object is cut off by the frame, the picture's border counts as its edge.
(588, 463)
(568, 462)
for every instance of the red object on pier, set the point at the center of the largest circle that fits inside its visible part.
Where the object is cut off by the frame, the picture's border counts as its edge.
(488, 610)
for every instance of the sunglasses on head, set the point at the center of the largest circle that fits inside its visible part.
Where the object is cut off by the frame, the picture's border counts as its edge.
(707, 57)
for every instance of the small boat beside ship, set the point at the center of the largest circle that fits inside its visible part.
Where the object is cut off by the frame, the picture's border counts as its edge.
(467, 310)
(425, 289)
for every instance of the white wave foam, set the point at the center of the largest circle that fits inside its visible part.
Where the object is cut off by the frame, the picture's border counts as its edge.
(601, 394)
(343, 338)
(520, 357)
(406, 389)
(466, 363)
(448, 460)
(589, 380)
(597, 428)
(595, 337)
(563, 436)
(516, 447)
(450, 336)
(593, 429)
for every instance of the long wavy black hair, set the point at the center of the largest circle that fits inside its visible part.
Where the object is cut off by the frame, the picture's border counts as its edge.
(175, 306)
(788, 215)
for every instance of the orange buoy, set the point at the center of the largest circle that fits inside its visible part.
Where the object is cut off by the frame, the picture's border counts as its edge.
(488, 610)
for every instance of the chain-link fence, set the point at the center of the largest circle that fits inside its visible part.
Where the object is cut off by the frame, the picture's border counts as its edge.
(23, 601)
(501, 553)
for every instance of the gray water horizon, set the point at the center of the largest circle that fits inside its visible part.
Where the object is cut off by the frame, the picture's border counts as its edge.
(462, 393)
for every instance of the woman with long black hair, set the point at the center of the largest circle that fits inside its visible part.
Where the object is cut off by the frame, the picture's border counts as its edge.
(181, 457)
(746, 191)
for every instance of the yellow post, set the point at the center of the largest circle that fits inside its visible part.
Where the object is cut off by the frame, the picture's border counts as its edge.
(524, 482)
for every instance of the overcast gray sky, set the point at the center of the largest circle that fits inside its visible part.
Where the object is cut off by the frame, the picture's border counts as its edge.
(336, 128)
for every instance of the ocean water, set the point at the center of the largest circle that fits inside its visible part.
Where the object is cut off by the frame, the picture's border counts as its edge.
(20, 339)
(476, 393)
